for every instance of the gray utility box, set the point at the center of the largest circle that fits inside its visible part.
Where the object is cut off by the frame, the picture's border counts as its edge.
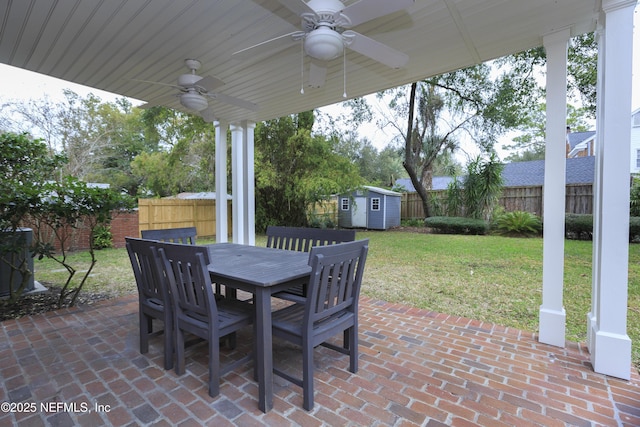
(24, 238)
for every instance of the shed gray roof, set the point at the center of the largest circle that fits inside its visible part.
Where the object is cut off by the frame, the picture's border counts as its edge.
(382, 191)
(579, 170)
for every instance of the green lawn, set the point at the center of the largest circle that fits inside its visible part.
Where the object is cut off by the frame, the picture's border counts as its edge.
(489, 278)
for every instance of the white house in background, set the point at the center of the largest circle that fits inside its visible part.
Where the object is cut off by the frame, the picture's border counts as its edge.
(635, 141)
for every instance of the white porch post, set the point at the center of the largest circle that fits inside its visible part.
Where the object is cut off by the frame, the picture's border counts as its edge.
(222, 231)
(552, 313)
(237, 183)
(609, 343)
(249, 184)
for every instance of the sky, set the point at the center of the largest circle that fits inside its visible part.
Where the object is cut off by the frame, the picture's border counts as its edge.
(19, 84)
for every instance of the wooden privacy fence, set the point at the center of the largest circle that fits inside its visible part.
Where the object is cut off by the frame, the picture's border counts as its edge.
(579, 200)
(174, 213)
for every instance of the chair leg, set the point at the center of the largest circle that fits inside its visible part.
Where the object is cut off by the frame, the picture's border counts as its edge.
(168, 345)
(146, 327)
(214, 366)
(231, 340)
(352, 333)
(179, 347)
(307, 376)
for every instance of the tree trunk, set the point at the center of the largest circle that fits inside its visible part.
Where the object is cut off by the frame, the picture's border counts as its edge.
(410, 163)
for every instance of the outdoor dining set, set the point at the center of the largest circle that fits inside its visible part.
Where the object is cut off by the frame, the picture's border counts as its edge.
(193, 290)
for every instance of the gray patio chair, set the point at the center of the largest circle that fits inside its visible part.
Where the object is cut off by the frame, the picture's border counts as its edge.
(331, 307)
(197, 311)
(186, 235)
(154, 301)
(303, 239)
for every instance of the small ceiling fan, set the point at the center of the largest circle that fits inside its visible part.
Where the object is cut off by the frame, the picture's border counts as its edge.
(194, 91)
(325, 33)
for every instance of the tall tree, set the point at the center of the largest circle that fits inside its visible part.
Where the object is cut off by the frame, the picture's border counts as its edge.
(98, 138)
(379, 168)
(295, 169)
(184, 154)
(530, 145)
(440, 111)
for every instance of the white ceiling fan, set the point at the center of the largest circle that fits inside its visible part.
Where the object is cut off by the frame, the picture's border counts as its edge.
(194, 92)
(325, 33)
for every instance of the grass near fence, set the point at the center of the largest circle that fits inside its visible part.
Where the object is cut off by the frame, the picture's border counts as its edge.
(489, 278)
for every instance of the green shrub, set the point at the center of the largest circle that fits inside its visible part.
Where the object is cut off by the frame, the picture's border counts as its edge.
(102, 237)
(578, 226)
(518, 224)
(456, 225)
(412, 222)
(634, 229)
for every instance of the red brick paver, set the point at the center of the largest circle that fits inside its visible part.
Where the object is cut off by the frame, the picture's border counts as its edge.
(82, 366)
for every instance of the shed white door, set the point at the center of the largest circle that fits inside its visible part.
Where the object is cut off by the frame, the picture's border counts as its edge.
(359, 212)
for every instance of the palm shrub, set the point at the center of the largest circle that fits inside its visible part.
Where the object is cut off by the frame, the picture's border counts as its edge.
(482, 186)
(455, 198)
(518, 224)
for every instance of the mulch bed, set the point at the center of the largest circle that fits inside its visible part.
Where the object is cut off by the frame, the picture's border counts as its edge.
(43, 302)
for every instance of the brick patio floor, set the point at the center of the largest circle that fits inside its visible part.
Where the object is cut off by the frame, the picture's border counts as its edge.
(416, 368)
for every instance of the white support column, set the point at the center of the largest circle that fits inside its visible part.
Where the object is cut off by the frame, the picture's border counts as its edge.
(237, 183)
(249, 184)
(222, 231)
(552, 313)
(609, 343)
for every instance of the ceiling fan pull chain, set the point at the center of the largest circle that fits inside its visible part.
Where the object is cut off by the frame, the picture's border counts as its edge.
(344, 73)
(302, 68)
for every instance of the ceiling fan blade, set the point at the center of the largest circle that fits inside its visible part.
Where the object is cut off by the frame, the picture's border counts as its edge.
(375, 50)
(160, 101)
(297, 6)
(234, 101)
(209, 83)
(366, 10)
(317, 74)
(207, 115)
(269, 46)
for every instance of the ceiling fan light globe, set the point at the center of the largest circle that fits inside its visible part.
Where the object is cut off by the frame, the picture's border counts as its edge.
(193, 101)
(324, 44)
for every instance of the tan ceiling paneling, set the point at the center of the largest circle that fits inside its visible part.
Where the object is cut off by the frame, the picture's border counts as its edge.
(107, 43)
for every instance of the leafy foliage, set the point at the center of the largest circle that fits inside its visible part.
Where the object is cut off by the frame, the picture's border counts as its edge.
(102, 237)
(477, 194)
(578, 226)
(29, 193)
(635, 197)
(482, 186)
(530, 145)
(518, 224)
(296, 170)
(25, 168)
(456, 225)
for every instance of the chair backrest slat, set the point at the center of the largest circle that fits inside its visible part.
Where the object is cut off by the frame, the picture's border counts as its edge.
(184, 235)
(302, 239)
(336, 278)
(145, 269)
(189, 280)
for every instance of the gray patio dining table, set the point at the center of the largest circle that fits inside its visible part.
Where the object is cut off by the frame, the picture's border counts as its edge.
(262, 272)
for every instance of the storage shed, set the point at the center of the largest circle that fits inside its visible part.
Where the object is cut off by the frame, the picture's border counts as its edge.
(369, 207)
